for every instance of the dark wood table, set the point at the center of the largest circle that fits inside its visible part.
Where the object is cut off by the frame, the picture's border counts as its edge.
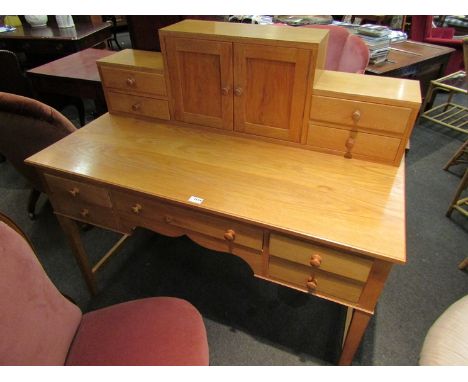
(74, 75)
(44, 44)
(414, 60)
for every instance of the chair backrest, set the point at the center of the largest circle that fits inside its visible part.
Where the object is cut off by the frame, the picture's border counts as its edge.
(37, 323)
(345, 52)
(26, 127)
(12, 78)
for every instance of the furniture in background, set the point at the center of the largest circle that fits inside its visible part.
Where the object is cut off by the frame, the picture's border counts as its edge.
(414, 60)
(346, 52)
(39, 326)
(26, 127)
(446, 343)
(422, 29)
(42, 45)
(74, 75)
(235, 169)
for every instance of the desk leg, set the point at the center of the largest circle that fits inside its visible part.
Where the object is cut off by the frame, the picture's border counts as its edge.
(72, 232)
(354, 336)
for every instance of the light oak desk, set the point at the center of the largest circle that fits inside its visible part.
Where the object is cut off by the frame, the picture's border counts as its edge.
(316, 222)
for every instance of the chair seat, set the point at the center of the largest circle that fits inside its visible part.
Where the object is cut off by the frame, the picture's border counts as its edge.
(169, 331)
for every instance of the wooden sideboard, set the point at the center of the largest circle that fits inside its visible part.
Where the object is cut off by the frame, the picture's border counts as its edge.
(297, 207)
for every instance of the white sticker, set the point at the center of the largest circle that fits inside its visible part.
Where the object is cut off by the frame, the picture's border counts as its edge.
(195, 199)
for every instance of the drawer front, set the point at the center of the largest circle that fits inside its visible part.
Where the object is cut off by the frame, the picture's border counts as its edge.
(365, 145)
(349, 113)
(141, 210)
(133, 81)
(71, 191)
(85, 212)
(319, 257)
(326, 283)
(140, 106)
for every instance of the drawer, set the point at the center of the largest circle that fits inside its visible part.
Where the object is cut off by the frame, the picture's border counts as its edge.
(326, 283)
(85, 212)
(347, 114)
(365, 145)
(142, 106)
(341, 263)
(71, 191)
(134, 81)
(144, 211)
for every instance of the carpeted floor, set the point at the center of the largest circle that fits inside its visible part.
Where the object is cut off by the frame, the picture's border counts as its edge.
(252, 322)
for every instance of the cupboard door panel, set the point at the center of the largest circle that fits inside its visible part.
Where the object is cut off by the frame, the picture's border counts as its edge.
(270, 86)
(201, 81)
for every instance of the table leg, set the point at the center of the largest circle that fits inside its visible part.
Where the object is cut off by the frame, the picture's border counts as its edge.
(72, 232)
(356, 330)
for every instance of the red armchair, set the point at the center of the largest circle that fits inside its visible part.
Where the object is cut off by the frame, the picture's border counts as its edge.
(422, 30)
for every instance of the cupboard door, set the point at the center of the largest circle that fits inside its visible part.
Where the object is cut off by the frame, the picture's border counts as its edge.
(201, 81)
(270, 86)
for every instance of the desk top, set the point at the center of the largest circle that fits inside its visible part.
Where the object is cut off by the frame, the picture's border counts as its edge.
(409, 53)
(80, 65)
(353, 204)
(81, 30)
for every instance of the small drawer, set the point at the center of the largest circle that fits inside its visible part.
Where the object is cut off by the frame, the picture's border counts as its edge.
(142, 106)
(71, 191)
(145, 211)
(349, 114)
(320, 257)
(326, 283)
(134, 81)
(364, 145)
(88, 213)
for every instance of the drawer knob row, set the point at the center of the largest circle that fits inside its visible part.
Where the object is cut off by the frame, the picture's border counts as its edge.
(356, 116)
(315, 260)
(311, 283)
(230, 235)
(74, 191)
(238, 91)
(225, 90)
(131, 82)
(84, 212)
(136, 106)
(136, 208)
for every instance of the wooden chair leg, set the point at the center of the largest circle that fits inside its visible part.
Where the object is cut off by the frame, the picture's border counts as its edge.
(455, 159)
(33, 197)
(463, 184)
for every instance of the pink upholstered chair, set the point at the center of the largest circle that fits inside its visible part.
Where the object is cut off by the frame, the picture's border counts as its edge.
(26, 127)
(346, 52)
(39, 326)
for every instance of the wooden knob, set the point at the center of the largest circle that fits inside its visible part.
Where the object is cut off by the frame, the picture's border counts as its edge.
(136, 106)
(168, 219)
(229, 235)
(356, 116)
(350, 143)
(311, 283)
(238, 91)
(84, 212)
(315, 260)
(131, 82)
(225, 90)
(136, 208)
(74, 191)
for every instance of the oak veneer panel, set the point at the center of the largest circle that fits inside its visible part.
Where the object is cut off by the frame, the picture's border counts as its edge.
(371, 146)
(260, 34)
(136, 60)
(309, 194)
(347, 265)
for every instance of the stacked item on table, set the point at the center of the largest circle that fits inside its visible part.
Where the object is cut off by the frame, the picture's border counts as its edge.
(377, 40)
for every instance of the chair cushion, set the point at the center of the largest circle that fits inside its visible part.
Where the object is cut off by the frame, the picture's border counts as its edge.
(152, 331)
(446, 343)
(37, 324)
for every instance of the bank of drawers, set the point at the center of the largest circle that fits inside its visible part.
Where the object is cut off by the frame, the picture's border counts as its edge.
(318, 269)
(82, 201)
(363, 130)
(138, 91)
